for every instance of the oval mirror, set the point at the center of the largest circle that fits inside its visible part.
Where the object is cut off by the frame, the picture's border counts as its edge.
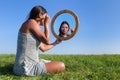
(64, 24)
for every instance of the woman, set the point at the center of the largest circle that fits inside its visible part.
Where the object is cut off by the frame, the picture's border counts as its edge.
(30, 37)
(64, 28)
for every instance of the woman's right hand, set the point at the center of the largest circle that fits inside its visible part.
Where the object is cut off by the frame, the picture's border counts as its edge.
(47, 20)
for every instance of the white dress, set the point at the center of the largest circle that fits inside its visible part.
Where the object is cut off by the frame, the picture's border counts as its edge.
(27, 61)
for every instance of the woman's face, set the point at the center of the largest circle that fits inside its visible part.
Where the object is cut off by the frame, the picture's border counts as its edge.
(64, 28)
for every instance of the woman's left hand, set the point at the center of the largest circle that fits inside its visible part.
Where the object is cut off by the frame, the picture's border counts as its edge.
(72, 30)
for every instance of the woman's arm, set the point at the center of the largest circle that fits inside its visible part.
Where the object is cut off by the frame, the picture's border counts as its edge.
(42, 36)
(46, 24)
(44, 48)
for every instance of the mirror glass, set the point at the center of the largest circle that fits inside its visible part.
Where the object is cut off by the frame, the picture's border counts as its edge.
(67, 18)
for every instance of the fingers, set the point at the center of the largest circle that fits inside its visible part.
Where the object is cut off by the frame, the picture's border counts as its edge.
(72, 29)
(47, 17)
(47, 20)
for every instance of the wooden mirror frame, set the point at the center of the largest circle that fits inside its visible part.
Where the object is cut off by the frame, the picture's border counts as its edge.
(76, 27)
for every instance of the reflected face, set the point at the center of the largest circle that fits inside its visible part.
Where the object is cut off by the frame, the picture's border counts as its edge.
(64, 28)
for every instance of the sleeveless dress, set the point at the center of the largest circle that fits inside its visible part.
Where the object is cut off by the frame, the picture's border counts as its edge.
(27, 60)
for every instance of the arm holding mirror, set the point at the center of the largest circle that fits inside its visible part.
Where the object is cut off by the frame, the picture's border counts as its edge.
(44, 48)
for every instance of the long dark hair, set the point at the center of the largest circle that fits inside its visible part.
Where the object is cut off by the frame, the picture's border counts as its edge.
(64, 22)
(36, 11)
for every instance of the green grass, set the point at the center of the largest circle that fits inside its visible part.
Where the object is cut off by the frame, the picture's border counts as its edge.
(78, 67)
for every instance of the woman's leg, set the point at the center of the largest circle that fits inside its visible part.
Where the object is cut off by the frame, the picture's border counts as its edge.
(55, 67)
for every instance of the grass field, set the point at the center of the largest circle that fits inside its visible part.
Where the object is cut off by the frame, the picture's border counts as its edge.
(78, 67)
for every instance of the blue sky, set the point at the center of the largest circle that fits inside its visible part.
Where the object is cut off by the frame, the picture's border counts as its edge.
(99, 31)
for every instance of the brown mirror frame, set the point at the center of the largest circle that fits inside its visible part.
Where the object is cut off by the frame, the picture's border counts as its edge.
(76, 27)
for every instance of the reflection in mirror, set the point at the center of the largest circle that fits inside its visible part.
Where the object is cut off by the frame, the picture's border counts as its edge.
(59, 18)
(64, 25)
(64, 29)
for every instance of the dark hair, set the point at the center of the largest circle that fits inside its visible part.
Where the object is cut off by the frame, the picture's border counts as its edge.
(36, 11)
(64, 22)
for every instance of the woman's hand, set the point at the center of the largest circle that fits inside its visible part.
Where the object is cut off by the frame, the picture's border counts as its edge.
(47, 20)
(47, 47)
(72, 30)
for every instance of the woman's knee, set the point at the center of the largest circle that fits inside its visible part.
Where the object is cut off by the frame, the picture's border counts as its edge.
(62, 66)
(55, 67)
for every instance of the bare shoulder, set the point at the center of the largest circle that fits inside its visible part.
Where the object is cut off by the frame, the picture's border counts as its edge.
(28, 25)
(32, 23)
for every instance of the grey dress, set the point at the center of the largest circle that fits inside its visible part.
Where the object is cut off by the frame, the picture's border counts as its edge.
(27, 61)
